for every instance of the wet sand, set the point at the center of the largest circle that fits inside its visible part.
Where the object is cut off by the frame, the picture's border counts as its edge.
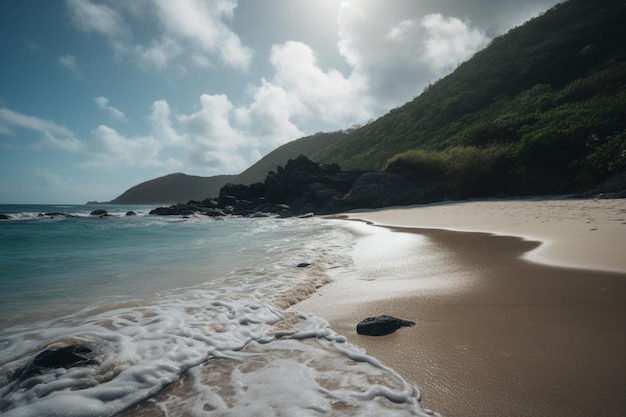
(510, 337)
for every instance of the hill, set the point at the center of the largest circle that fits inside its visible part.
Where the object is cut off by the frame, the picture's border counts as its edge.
(180, 188)
(172, 188)
(542, 109)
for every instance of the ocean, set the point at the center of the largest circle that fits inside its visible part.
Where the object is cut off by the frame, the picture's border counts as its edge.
(180, 317)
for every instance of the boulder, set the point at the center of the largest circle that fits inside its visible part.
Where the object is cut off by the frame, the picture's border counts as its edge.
(61, 357)
(4, 217)
(56, 214)
(99, 212)
(176, 210)
(131, 213)
(381, 325)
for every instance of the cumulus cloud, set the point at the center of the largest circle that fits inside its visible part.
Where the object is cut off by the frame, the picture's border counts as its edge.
(187, 32)
(201, 23)
(52, 134)
(110, 149)
(161, 124)
(114, 113)
(327, 94)
(69, 61)
(397, 59)
(210, 135)
(269, 117)
(450, 41)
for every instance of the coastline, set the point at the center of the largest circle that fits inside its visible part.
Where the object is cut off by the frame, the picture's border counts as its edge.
(501, 329)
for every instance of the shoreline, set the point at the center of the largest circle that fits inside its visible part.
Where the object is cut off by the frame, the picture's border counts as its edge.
(498, 332)
(577, 233)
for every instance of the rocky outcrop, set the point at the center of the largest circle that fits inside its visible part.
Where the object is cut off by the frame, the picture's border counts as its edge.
(303, 187)
(381, 325)
(99, 212)
(59, 357)
(4, 217)
(56, 214)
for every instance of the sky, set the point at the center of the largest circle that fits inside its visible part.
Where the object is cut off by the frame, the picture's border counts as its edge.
(99, 95)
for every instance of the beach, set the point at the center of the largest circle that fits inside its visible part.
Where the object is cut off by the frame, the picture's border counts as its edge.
(520, 305)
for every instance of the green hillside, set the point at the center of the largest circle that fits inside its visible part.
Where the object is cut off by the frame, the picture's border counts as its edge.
(542, 109)
(173, 188)
(307, 146)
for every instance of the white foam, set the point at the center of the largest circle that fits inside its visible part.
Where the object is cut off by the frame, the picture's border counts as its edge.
(278, 361)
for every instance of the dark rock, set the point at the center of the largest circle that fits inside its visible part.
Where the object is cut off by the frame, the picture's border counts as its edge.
(210, 203)
(213, 212)
(303, 265)
(56, 214)
(176, 210)
(99, 212)
(4, 217)
(242, 192)
(131, 213)
(63, 357)
(381, 325)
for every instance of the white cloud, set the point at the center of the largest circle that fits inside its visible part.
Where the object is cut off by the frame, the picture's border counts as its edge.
(158, 55)
(268, 118)
(98, 18)
(69, 61)
(161, 124)
(53, 135)
(397, 60)
(326, 94)
(450, 41)
(111, 150)
(114, 113)
(186, 32)
(210, 137)
(201, 24)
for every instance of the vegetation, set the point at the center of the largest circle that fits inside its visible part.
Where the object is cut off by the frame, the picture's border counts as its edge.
(542, 109)
(173, 188)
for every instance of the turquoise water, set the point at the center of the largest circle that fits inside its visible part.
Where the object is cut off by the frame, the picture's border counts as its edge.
(162, 299)
(70, 263)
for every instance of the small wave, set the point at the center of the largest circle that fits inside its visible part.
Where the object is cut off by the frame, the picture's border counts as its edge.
(229, 357)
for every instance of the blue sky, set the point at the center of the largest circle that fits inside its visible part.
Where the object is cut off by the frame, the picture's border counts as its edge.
(99, 95)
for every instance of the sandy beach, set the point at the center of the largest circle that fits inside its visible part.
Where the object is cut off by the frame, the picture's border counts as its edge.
(523, 314)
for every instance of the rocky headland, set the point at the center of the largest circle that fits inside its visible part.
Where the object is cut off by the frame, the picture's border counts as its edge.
(303, 187)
